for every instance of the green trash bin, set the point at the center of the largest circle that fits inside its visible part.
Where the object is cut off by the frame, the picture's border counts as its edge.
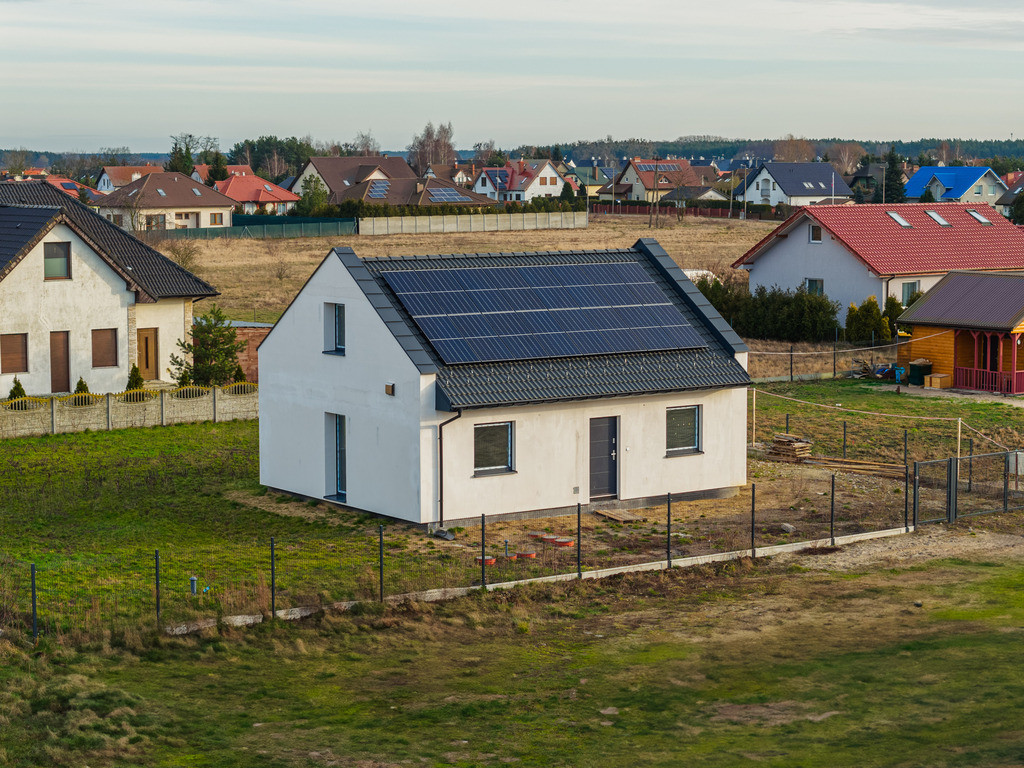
(918, 372)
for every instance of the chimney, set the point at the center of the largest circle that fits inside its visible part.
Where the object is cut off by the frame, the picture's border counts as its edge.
(419, 187)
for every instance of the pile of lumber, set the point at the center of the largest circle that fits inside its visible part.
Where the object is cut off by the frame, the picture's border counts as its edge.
(789, 448)
(856, 466)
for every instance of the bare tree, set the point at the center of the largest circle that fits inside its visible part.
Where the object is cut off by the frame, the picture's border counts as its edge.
(793, 150)
(365, 144)
(432, 146)
(16, 161)
(845, 156)
(275, 166)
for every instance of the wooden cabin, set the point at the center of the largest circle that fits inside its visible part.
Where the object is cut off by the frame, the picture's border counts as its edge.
(970, 326)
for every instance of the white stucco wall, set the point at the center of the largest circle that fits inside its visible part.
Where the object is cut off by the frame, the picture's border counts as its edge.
(552, 452)
(94, 298)
(300, 386)
(169, 317)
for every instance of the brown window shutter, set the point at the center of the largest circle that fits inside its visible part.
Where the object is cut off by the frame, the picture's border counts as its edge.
(14, 353)
(104, 348)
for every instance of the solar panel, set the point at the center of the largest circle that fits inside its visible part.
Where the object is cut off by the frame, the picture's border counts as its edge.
(657, 166)
(490, 314)
(68, 185)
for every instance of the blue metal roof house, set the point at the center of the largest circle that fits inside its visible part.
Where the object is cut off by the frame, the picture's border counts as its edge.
(956, 184)
(435, 388)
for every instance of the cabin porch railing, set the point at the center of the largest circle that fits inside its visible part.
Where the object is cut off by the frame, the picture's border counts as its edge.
(1005, 382)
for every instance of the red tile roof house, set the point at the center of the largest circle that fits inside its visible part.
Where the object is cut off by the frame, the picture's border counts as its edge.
(520, 181)
(850, 252)
(201, 172)
(637, 180)
(253, 193)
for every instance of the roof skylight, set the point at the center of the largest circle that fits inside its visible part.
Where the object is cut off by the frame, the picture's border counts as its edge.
(161, 192)
(268, 188)
(934, 215)
(978, 217)
(899, 219)
(196, 192)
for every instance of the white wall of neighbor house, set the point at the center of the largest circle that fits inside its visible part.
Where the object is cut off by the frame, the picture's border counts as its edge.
(94, 298)
(551, 454)
(302, 388)
(170, 318)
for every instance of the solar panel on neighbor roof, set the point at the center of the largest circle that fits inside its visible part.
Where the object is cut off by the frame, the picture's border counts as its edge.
(658, 166)
(490, 314)
(68, 185)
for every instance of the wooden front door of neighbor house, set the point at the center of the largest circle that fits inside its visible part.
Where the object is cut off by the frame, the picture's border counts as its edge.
(60, 365)
(604, 470)
(147, 338)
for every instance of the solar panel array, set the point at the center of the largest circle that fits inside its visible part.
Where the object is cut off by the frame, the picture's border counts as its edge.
(447, 195)
(658, 166)
(379, 189)
(491, 314)
(69, 185)
(498, 178)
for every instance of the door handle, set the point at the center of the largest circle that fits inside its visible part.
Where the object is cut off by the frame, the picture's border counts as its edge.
(614, 454)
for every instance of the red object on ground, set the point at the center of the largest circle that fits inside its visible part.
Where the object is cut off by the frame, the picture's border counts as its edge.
(486, 560)
(526, 555)
(564, 542)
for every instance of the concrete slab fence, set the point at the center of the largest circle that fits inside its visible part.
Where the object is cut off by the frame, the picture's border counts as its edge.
(487, 222)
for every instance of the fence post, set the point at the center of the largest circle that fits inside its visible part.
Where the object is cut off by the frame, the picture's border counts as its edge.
(156, 558)
(579, 544)
(35, 615)
(273, 581)
(53, 415)
(753, 504)
(163, 417)
(213, 391)
(668, 530)
(917, 492)
(483, 551)
(108, 412)
(790, 362)
(787, 423)
(832, 513)
(904, 447)
(844, 439)
(380, 561)
(970, 464)
(1006, 481)
(906, 499)
(950, 488)
(833, 360)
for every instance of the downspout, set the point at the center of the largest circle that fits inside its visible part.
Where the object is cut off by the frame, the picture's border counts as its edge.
(440, 465)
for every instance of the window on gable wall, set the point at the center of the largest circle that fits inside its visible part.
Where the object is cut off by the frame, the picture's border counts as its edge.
(492, 448)
(815, 233)
(57, 261)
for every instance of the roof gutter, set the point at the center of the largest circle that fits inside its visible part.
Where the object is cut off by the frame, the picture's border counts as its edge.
(440, 465)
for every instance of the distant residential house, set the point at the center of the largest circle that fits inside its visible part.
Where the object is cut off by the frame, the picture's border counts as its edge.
(956, 184)
(970, 326)
(166, 201)
(588, 178)
(341, 174)
(1006, 201)
(74, 188)
(851, 252)
(462, 175)
(83, 298)
(426, 396)
(706, 174)
(871, 176)
(201, 173)
(650, 180)
(113, 177)
(1013, 178)
(792, 184)
(253, 193)
(519, 181)
(687, 195)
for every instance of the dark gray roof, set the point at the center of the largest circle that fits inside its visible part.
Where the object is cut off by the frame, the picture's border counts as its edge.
(477, 385)
(21, 227)
(156, 276)
(1010, 195)
(980, 300)
(791, 177)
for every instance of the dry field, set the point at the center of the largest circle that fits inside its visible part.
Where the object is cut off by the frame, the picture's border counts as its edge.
(260, 277)
(771, 358)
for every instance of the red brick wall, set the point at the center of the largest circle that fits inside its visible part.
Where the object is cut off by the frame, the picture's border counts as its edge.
(247, 357)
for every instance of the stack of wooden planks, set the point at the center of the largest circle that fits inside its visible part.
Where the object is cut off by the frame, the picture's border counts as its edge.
(789, 448)
(856, 466)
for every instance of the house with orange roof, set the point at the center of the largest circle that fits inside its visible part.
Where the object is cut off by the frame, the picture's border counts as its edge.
(74, 188)
(851, 252)
(650, 179)
(253, 193)
(519, 181)
(201, 171)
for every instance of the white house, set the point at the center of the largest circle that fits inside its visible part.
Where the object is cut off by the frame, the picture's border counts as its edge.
(441, 387)
(113, 177)
(520, 181)
(851, 252)
(793, 184)
(167, 201)
(82, 298)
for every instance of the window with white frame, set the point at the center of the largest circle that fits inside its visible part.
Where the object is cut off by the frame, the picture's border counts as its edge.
(682, 430)
(339, 424)
(492, 448)
(815, 286)
(815, 233)
(334, 329)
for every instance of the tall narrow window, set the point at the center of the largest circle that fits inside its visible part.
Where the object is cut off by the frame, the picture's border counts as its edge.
(57, 261)
(339, 327)
(334, 329)
(492, 448)
(341, 480)
(682, 430)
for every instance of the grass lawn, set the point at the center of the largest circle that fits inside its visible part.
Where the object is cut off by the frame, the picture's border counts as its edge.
(760, 665)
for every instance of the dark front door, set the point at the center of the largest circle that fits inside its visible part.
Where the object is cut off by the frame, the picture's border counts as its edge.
(60, 370)
(603, 457)
(147, 353)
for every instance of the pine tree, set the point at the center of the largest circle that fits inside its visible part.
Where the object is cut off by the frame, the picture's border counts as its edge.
(1017, 209)
(218, 169)
(180, 159)
(212, 355)
(927, 197)
(567, 194)
(17, 390)
(894, 189)
(135, 380)
(81, 388)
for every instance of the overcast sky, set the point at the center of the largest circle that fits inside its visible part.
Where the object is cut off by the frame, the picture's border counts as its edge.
(84, 74)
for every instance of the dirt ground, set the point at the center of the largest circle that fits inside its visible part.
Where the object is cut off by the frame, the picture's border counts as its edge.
(260, 277)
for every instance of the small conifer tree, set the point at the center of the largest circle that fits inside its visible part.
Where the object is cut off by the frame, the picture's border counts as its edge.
(81, 388)
(17, 390)
(239, 374)
(134, 379)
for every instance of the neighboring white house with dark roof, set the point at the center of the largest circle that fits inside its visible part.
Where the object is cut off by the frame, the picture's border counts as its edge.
(793, 184)
(82, 298)
(433, 388)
